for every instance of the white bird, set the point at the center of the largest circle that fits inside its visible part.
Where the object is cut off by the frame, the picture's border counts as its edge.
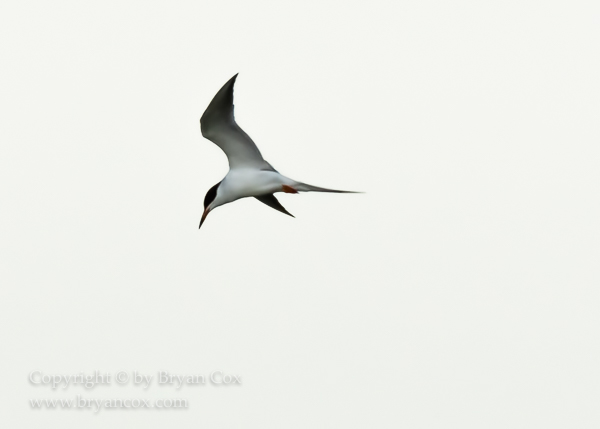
(249, 174)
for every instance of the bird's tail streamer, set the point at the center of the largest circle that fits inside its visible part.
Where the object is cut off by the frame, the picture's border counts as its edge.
(303, 187)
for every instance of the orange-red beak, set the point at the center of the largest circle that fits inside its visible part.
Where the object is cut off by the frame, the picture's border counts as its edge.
(206, 212)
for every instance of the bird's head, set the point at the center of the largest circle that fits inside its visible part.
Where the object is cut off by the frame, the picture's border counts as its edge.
(210, 202)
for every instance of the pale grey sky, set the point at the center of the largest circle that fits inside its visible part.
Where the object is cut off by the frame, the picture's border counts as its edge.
(461, 291)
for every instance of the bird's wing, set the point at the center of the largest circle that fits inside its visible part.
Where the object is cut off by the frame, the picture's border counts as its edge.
(218, 125)
(271, 201)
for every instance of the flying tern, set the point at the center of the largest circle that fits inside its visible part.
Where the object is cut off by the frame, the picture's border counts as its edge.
(249, 174)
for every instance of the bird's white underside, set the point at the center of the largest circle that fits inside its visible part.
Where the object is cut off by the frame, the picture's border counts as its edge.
(250, 182)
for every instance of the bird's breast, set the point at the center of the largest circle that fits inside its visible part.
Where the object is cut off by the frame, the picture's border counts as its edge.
(251, 183)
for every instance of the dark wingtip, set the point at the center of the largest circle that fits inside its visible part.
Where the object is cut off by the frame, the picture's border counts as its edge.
(271, 201)
(228, 88)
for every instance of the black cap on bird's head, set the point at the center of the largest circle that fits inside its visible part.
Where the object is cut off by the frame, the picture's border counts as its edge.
(208, 199)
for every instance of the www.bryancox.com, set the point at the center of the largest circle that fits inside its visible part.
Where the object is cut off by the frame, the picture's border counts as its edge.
(88, 381)
(97, 404)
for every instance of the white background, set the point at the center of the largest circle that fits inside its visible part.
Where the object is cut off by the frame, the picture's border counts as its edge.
(460, 291)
